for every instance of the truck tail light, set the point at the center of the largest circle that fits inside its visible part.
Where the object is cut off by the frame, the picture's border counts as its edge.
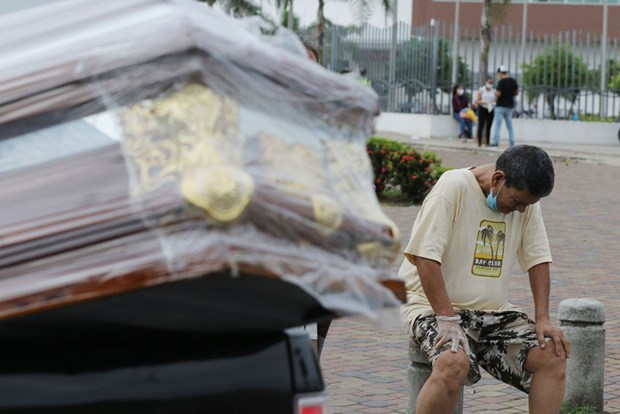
(312, 404)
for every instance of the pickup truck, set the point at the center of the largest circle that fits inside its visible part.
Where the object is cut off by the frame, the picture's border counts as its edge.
(179, 196)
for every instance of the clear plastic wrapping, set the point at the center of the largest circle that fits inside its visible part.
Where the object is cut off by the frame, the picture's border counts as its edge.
(216, 150)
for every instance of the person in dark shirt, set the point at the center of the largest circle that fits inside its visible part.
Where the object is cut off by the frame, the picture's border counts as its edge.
(460, 102)
(506, 90)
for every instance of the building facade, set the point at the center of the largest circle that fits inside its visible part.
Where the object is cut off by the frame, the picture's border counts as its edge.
(542, 16)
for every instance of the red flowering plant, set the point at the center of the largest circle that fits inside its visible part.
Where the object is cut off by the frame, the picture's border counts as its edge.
(381, 153)
(401, 172)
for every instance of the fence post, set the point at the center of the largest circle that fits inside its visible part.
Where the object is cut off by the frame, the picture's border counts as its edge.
(581, 320)
(417, 373)
(335, 52)
(391, 107)
(433, 71)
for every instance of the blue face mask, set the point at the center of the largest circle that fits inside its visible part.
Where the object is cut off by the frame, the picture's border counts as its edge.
(492, 199)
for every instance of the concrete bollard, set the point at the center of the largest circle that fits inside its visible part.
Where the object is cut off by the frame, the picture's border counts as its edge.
(582, 321)
(418, 372)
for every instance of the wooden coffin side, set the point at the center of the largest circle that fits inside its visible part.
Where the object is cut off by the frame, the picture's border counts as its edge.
(72, 233)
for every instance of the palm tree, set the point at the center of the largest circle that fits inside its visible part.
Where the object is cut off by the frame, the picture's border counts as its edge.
(363, 8)
(487, 234)
(499, 240)
(485, 39)
(286, 7)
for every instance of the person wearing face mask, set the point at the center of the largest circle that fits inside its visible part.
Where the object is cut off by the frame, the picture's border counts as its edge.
(460, 102)
(473, 225)
(485, 100)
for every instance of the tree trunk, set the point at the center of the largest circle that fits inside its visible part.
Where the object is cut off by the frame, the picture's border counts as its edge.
(291, 17)
(228, 7)
(551, 104)
(485, 40)
(320, 28)
(211, 2)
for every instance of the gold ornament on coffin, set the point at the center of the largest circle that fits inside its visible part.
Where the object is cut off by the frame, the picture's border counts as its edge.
(191, 139)
(349, 164)
(222, 192)
(326, 212)
(298, 169)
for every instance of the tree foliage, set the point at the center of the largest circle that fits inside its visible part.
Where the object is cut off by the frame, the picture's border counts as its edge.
(614, 85)
(362, 8)
(284, 20)
(613, 81)
(237, 8)
(437, 68)
(556, 73)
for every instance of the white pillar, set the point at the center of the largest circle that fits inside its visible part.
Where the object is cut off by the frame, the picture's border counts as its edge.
(603, 106)
(524, 31)
(582, 321)
(455, 41)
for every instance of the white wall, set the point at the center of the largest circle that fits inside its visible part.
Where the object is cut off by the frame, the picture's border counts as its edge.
(526, 130)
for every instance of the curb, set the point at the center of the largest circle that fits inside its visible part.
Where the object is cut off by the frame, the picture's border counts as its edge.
(558, 153)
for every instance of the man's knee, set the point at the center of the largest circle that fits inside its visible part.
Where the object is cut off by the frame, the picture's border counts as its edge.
(451, 369)
(546, 360)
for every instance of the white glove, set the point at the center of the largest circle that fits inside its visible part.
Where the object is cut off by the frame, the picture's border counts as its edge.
(449, 330)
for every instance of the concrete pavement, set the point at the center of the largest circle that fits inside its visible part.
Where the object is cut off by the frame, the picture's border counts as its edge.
(365, 366)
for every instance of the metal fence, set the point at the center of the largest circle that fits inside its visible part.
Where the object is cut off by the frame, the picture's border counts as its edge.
(568, 75)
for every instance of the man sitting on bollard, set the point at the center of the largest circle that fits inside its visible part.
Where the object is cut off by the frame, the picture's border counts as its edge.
(470, 229)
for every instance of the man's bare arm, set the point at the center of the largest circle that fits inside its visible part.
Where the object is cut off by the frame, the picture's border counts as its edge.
(434, 286)
(448, 328)
(540, 283)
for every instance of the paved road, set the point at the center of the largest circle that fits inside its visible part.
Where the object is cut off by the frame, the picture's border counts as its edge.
(365, 366)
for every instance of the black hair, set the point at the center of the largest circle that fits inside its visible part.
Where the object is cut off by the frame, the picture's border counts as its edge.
(309, 44)
(527, 168)
(363, 72)
(455, 88)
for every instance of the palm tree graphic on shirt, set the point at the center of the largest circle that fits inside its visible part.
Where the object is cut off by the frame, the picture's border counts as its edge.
(499, 240)
(488, 255)
(487, 237)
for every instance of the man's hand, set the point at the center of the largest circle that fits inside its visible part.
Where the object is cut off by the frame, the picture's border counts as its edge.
(544, 328)
(449, 330)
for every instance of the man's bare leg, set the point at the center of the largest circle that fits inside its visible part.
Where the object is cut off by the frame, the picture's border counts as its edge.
(548, 379)
(441, 392)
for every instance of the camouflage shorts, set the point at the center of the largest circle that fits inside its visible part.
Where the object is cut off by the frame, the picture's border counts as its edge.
(498, 342)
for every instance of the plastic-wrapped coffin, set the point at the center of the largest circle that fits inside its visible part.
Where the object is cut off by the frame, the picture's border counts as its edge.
(183, 153)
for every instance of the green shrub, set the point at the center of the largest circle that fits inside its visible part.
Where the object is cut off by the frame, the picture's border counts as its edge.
(401, 172)
(597, 118)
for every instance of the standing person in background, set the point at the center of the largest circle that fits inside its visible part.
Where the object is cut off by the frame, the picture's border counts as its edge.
(311, 49)
(507, 89)
(364, 77)
(460, 102)
(485, 99)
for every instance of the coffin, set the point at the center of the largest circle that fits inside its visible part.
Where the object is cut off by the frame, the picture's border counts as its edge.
(166, 168)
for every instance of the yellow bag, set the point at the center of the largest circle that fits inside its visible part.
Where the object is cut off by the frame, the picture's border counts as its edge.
(471, 115)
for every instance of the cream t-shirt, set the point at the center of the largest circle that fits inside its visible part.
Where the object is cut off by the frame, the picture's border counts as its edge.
(475, 246)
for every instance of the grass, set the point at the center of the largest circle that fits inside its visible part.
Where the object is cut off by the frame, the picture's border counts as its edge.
(586, 409)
